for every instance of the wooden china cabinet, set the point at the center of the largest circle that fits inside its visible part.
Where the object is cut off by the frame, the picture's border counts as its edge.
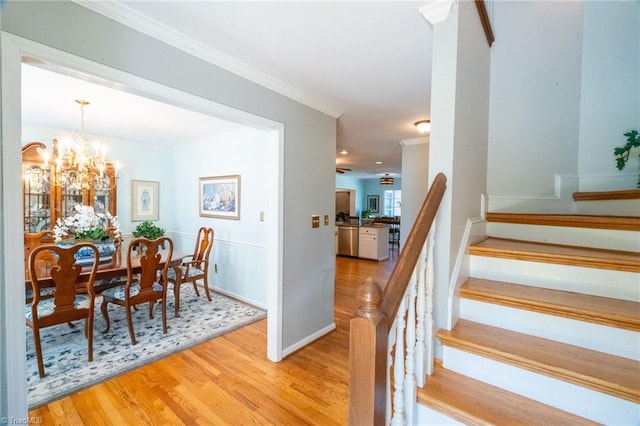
(45, 196)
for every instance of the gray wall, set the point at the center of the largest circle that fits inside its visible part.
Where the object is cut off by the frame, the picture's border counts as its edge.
(458, 141)
(562, 95)
(309, 148)
(415, 183)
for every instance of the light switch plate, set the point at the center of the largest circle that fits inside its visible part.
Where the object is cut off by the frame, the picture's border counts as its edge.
(326, 220)
(315, 221)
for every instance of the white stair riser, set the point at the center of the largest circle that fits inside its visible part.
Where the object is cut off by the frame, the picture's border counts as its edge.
(426, 416)
(599, 282)
(596, 406)
(597, 337)
(583, 237)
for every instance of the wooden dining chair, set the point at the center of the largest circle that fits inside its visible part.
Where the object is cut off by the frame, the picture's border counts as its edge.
(149, 286)
(31, 241)
(193, 268)
(73, 299)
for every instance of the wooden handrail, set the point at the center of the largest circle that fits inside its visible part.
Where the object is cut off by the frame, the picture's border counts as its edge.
(484, 19)
(370, 325)
(406, 263)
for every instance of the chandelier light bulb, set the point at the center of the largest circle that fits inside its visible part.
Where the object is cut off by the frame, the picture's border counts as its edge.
(75, 166)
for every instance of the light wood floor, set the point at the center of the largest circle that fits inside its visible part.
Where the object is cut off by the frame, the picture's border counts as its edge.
(230, 381)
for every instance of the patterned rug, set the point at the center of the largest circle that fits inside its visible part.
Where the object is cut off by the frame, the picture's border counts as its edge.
(65, 349)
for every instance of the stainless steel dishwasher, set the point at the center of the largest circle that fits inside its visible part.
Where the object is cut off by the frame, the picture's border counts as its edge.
(348, 240)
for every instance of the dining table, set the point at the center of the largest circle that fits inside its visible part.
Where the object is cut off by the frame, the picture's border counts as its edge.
(107, 274)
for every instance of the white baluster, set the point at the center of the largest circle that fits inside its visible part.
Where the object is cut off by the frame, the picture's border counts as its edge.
(390, 344)
(421, 268)
(398, 367)
(430, 323)
(409, 377)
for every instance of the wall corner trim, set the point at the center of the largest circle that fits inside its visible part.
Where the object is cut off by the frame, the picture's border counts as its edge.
(436, 11)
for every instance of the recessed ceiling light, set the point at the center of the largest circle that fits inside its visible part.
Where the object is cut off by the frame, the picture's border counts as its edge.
(378, 162)
(344, 152)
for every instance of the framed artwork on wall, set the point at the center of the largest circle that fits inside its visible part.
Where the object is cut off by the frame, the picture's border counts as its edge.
(144, 200)
(220, 196)
(373, 203)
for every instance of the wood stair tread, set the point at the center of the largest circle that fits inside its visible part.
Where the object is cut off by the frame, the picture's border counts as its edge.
(595, 309)
(625, 223)
(623, 194)
(557, 253)
(606, 373)
(473, 402)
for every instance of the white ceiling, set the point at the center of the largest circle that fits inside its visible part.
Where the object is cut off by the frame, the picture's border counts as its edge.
(48, 100)
(367, 63)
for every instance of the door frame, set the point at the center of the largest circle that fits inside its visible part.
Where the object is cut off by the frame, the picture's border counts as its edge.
(13, 48)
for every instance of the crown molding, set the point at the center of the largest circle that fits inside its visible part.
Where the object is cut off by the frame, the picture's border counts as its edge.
(123, 14)
(415, 141)
(436, 11)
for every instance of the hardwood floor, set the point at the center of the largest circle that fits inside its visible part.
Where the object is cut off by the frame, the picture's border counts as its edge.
(230, 381)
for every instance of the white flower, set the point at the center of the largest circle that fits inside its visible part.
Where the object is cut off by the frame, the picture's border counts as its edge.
(86, 224)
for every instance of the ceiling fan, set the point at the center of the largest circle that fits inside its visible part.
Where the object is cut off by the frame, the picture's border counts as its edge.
(342, 170)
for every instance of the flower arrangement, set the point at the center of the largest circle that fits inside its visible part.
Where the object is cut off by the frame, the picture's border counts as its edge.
(86, 225)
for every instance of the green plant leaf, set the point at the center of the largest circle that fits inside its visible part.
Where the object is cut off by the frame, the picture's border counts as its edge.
(622, 153)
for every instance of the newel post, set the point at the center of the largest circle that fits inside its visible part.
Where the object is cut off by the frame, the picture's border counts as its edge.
(368, 358)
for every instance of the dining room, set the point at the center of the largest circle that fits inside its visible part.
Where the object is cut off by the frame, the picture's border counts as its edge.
(171, 169)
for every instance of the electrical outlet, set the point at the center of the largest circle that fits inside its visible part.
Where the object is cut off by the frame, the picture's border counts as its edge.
(215, 268)
(326, 220)
(315, 221)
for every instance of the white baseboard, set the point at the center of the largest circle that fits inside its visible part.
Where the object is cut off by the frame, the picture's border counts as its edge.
(560, 202)
(302, 343)
(238, 297)
(474, 230)
(562, 199)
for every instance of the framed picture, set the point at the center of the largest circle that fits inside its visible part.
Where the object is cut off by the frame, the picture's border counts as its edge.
(220, 196)
(373, 202)
(144, 200)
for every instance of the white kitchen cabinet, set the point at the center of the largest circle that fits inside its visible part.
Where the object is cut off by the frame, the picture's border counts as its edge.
(373, 242)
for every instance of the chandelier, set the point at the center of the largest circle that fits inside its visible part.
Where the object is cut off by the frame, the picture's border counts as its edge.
(386, 180)
(74, 165)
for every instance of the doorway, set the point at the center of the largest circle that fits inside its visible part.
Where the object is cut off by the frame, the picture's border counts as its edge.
(345, 203)
(12, 360)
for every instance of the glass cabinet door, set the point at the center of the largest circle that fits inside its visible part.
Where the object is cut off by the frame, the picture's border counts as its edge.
(103, 193)
(36, 199)
(46, 197)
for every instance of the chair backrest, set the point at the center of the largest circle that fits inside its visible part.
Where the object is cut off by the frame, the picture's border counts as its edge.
(151, 260)
(33, 240)
(51, 265)
(204, 244)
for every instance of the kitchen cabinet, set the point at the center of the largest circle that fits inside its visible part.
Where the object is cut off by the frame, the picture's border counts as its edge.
(373, 242)
(45, 198)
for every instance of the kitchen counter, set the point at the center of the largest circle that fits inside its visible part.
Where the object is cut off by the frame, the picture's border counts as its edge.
(373, 225)
(364, 241)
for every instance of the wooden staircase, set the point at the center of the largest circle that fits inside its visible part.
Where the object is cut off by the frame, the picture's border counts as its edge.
(549, 329)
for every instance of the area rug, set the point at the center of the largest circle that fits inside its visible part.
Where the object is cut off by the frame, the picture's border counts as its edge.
(65, 349)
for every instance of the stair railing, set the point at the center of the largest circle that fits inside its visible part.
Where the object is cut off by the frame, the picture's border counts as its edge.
(388, 359)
